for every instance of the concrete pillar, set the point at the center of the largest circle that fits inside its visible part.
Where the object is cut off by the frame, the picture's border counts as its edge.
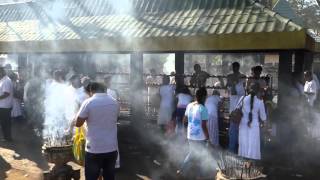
(22, 60)
(303, 61)
(308, 61)
(299, 62)
(136, 88)
(179, 67)
(284, 76)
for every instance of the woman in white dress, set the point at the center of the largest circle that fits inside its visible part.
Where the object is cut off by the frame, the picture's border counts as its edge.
(212, 104)
(249, 129)
(166, 104)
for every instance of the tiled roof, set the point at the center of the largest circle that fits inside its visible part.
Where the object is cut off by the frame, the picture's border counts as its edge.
(96, 19)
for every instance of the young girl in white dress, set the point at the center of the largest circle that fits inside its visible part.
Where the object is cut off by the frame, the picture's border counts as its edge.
(249, 129)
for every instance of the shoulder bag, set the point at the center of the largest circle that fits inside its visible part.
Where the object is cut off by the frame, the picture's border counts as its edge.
(236, 114)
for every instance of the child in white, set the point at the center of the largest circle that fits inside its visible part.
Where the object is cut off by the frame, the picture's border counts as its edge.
(212, 104)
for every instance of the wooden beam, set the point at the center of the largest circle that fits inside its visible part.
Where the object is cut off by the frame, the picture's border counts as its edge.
(225, 42)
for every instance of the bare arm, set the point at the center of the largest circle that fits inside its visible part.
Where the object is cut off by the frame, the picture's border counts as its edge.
(192, 80)
(228, 81)
(262, 112)
(185, 120)
(5, 94)
(309, 93)
(205, 129)
(80, 121)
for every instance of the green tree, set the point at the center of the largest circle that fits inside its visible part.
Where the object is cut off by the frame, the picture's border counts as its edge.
(309, 12)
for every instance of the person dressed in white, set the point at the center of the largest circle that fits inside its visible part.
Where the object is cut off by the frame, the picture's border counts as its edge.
(111, 92)
(166, 103)
(236, 89)
(100, 112)
(75, 96)
(152, 82)
(249, 129)
(6, 98)
(212, 104)
(184, 98)
(310, 88)
(310, 92)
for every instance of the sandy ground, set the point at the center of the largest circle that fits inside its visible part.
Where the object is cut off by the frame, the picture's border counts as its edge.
(23, 160)
(141, 158)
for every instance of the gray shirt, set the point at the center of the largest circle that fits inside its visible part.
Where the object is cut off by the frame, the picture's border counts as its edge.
(101, 112)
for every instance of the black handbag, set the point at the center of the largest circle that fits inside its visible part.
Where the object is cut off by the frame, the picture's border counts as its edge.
(236, 114)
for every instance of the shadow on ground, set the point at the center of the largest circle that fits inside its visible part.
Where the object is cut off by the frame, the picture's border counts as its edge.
(26, 144)
(4, 167)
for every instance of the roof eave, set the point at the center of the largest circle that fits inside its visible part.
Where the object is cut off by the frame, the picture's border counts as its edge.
(225, 42)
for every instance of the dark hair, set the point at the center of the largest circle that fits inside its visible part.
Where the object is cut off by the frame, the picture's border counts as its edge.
(57, 74)
(215, 92)
(258, 69)
(236, 65)
(308, 73)
(201, 95)
(2, 71)
(253, 90)
(165, 79)
(94, 87)
(185, 90)
(197, 66)
(107, 77)
(74, 77)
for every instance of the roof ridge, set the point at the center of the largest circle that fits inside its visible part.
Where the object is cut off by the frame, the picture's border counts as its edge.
(16, 3)
(275, 14)
(274, 5)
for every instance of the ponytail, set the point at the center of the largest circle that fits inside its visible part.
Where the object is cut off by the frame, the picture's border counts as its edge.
(251, 108)
(254, 89)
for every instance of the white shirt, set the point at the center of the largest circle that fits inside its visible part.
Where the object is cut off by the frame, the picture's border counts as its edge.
(112, 93)
(6, 86)
(183, 100)
(211, 104)
(239, 87)
(101, 112)
(258, 111)
(167, 95)
(196, 113)
(311, 87)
